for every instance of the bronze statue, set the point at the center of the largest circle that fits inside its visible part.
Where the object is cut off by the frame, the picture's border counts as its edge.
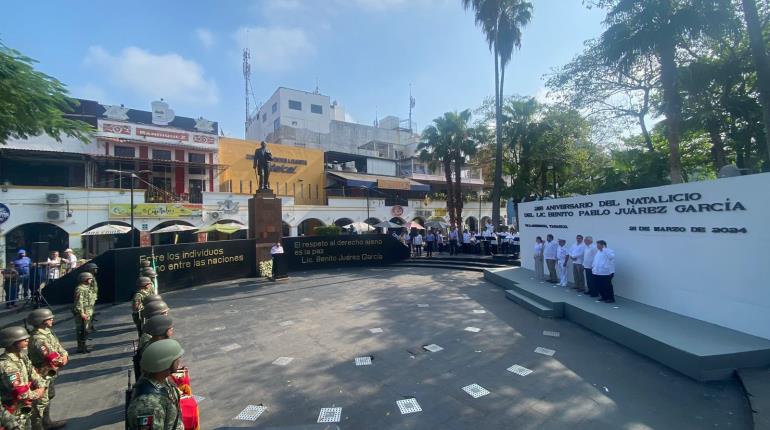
(262, 158)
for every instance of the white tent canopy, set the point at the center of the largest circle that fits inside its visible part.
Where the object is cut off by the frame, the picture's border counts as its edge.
(360, 226)
(107, 229)
(176, 228)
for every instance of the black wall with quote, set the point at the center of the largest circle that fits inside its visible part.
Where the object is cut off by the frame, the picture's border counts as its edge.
(328, 252)
(178, 266)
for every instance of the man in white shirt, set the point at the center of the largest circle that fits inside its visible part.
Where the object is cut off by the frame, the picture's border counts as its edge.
(454, 237)
(549, 253)
(70, 259)
(603, 270)
(588, 261)
(466, 242)
(417, 242)
(576, 255)
(538, 253)
(562, 257)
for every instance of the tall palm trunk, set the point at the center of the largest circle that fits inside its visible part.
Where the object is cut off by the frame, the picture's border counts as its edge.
(717, 144)
(450, 198)
(458, 189)
(672, 107)
(761, 63)
(498, 173)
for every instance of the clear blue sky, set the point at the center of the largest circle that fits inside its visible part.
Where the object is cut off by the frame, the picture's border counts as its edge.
(364, 53)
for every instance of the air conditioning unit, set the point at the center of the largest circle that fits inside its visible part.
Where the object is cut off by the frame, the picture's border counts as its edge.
(55, 215)
(215, 215)
(54, 198)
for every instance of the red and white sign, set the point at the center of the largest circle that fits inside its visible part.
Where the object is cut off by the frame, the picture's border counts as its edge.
(202, 138)
(116, 128)
(162, 134)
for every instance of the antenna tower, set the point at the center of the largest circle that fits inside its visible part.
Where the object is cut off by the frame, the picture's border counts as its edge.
(247, 85)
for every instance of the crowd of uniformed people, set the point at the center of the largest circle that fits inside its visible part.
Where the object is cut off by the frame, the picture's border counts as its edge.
(161, 398)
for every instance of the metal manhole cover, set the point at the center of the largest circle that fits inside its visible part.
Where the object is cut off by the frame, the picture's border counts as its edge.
(408, 406)
(545, 351)
(551, 333)
(475, 390)
(251, 413)
(433, 348)
(479, 311)
(472, 329)
(330, 415)
(375, 330)
(283, 361)
(519, 370)
(363, 361)
(423, 305)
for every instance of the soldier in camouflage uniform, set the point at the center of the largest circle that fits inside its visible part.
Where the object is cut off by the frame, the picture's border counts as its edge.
(83, 309)
(47, 355)
(155, 400)
(92, 268)
(7, 420)
(155, 328)
(143, 289)
(20, 384)
(150, 273)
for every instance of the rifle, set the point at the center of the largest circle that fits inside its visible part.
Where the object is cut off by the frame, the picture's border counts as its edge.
(127, 399)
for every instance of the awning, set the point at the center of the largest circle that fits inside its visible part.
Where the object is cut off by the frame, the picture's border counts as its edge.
(169, 163)
(227, 228)
(175, 228)
(378, 181)
(107, 229)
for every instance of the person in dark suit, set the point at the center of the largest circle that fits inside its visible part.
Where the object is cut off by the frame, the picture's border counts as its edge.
(262, 158)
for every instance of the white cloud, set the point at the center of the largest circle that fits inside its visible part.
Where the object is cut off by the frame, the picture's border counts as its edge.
(377, 5)
(88, 91)
(274, 48)
(205, 36)
(152, 76)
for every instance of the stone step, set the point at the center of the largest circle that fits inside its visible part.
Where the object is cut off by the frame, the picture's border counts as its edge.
(532, 304)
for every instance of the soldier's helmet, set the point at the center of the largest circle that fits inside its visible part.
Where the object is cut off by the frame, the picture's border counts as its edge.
(11, 335)
(37, 316)
(84, 276)
(151, 298)
(142, 281)
(91, 266)
(158, 325)
(158, 356)
(154, 308)
(149, 272)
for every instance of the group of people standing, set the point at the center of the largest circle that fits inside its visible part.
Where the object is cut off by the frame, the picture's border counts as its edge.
(593, 265)
(455, 242)
(24, 277)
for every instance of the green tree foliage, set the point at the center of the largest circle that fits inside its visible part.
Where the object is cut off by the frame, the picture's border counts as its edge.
(32, 103)
(448, 144)
(502, 22)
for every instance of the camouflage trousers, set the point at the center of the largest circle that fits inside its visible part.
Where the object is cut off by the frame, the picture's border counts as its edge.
(43, 403)
(81, 328)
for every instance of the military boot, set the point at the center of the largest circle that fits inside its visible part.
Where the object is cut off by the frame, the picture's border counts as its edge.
(51, 425)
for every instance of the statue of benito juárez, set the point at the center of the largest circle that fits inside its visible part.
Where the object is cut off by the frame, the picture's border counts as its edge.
(262, 158)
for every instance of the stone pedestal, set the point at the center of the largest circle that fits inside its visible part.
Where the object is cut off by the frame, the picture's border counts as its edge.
(265, 222)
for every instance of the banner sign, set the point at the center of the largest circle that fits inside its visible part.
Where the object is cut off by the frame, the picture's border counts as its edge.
(326, 252)
(155, 210)
(179, 266)
(393, 184)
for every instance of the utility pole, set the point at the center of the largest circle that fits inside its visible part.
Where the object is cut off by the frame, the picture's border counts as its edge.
(247, 84)
(411, 105)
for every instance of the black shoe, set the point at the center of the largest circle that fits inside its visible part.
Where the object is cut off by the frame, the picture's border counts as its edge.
(610, 301)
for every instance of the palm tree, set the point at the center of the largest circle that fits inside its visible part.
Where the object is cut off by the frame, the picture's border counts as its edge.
(659, 27)
(449, 142)
(502, 22)
(761, 62)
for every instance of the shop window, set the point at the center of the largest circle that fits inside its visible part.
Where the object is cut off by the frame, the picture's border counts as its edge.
(276, 124)
(197, 159)
(316, 109)
(264, 117)
(295, 105)
(125, 151)
(275, 107)
(164, 155)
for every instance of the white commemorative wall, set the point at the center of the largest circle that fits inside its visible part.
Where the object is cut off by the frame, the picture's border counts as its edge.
(699, 249)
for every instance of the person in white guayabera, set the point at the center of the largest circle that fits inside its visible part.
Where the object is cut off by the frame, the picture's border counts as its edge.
(588, 262)
(549, 253)
(562, 259)
(539, 258)
(603, 270)
(576, 255)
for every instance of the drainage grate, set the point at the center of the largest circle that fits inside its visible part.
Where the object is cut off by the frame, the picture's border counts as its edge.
(408, 406)
(231, 347)
(283, 361)
(251, 413)
(422, 305)
(519, 370)
(479, 311)
(545, 351)
(363, 361)
(551, 333)
(330, 415)
(472, 329)
(433, 348)
(375, 330)
(475, 390)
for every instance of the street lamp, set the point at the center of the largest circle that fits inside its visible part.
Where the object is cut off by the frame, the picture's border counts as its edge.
(131, 175)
